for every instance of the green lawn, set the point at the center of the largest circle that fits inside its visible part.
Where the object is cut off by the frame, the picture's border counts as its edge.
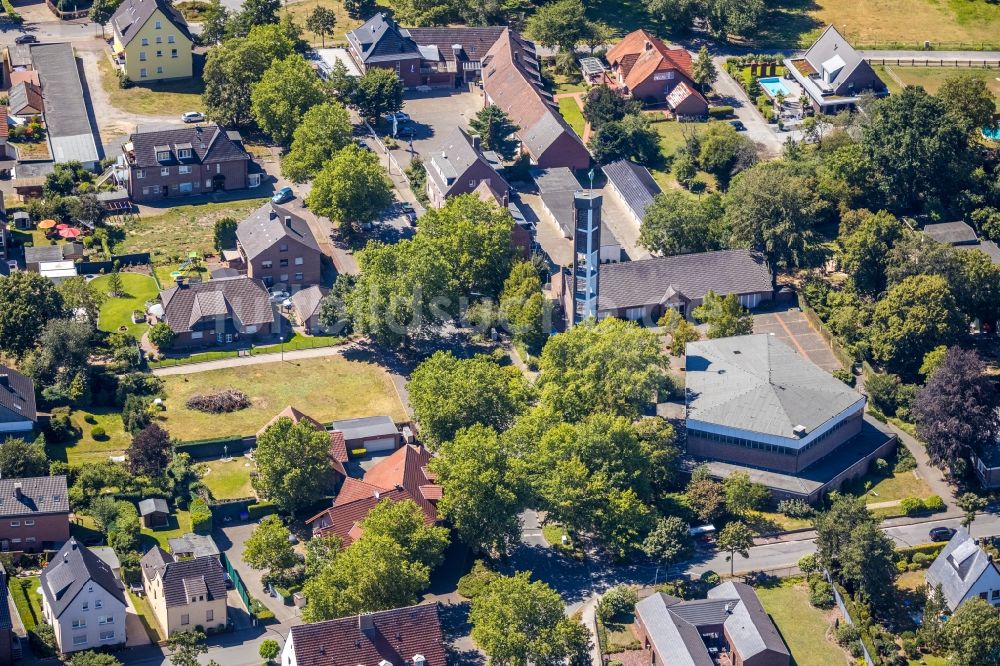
(228, 479)
(147, 617)
(771, 522)
(929, 660)
(117, 311)
(86, 449)
(566, 84)
(163, 272)
(570, 110)
(180, 523)
(170, 236)
(931, 78)
(803, 627)
(296, 341)
(29, 604)
(672, 138)
(888, 489)
(157, 99)
(325, 388)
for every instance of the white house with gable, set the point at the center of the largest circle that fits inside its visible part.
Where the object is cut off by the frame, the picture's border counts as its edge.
(965, 571)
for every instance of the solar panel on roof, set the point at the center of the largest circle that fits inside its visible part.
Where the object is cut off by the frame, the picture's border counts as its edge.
(59, 578)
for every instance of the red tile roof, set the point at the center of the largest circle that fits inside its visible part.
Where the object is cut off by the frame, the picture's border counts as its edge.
(640, 54)
(338, 447)
(397, 636)
(399, 477)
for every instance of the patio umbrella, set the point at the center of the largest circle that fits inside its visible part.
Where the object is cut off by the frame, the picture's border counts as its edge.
(69, 233)
(60, 227)
(46, 224)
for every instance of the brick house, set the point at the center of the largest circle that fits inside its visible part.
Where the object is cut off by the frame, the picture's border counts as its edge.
(645, 68)
(220, 311)
(459, 168)
(34, 513)
(184, 161)
(277, 247)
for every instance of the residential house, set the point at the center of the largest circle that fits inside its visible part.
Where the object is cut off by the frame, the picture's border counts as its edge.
(18, 412)
(217, 312)
(408, 636)
(71, 135)
(520, 233)
(633, 185)
(372, 433)
(459, 167)
(184, 594)
(6, 251)
(108, 555)
(277, 247)
(964, 571)
(338, 446)
(6, 622)
(16, 58)
(25, 99)
(448, 57)
(306, 303)
(82, 600)
(154, 512)
(193, 545)
(833, 74)
(754, 404)
(729, 627)
(512, 81)
(402, 476)
(151, 41)
(34, 513)
(644, 68)
(184, 161)
(961, 236)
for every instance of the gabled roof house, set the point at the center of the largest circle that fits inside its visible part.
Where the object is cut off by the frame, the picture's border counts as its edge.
(278, 247)
(184, 593)
(964, 571)
(645, 68)
(833, 73)
(220, 311)
(459, 167)
(18, 412)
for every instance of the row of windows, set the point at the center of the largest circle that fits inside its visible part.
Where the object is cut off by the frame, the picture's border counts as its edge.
(771, 448)
(183, 188)
(27, 540)
(159, 54)
(17, 523)
(81, 639)
(282, 263)
(98, 603)
(182, 169)
(81, 623)
(159, 40)
(835, 428)
(268, 280)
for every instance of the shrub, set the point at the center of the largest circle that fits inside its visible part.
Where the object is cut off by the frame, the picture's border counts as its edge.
(820, 593)
(881, 467)
(60, 427)
(97, 432)
(882, 389)
(845, 376)
(847, 633)
(901, 566)
(261, 509)
(43, 640)
(137, 383)
(617, 602)
(221, 402)
(357, 453)
(921, 558)
(711, 578)
(795, 508)
(89, 418)
(905, 462)
(720, 111)
(473, 583)
(161, 335)
(929, 549)
(201, 516)
(934, 503)
(912, 505)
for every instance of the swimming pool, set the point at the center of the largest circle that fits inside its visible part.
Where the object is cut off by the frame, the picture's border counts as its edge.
(993, 133)
(773, 86)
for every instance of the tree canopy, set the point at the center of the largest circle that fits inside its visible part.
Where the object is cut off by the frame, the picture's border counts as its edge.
(677, 223)
(325, 129)
(285, 92)
(378, 92)
(495, 131)
(724, 315)
(351, 188)
(28, 302)
(293, 464)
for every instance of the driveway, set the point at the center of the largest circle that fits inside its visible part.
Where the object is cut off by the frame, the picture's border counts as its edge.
(757, 128)
(135, 632)
(791, 327)
(435, 114)
(232, 541)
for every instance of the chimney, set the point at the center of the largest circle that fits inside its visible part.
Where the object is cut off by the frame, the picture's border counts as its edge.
(288, 221)
(366, 624)
(648, 45)
(475, 141)
(18, 490)
(375, 494)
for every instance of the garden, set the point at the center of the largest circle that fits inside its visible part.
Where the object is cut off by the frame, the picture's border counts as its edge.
(156, 99)
(125, 299)
(227, 478)
(806, 630)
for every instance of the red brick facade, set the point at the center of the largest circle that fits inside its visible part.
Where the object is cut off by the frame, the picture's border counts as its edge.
(33, 533)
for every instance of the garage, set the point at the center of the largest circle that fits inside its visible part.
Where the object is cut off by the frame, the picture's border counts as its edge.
(372, 433)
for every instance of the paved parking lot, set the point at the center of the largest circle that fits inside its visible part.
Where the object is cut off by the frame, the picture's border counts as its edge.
(791, 327)
(435, 114)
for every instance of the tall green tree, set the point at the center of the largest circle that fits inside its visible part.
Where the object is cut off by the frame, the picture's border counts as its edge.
(632, 137)
(213, 22)
(516, 622)
(449, 394)
(224, 234)
(670, 541)
(743, 495)
(360, 9)
(969, 100)
(736, 539)
(28, 302)
(868, 564)
(254, 13)
(80, 296)
(185, 646)
(973, 634)
(723, 152)
(378, 92)
(864, 252)
(604, 105)
(676, 223)
(325, 129)
(703, 70)
(286, 91)
(724, 315)
(406, 524)
(20, 458)
(523, 307)
(321, 21)
(269, 547)
(971, 504)
(293, 465)
(495, 131)
(351, 188)
(834, 528)
(561, 23)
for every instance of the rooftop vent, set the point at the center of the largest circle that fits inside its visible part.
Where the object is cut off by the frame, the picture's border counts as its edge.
(366, 623)
(799, 430)
(18, 490)
(4, 379)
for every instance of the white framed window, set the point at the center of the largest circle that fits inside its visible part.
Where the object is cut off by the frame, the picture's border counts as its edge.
(299, 261)
(159, 54)
(30, 540)
(140, 173)
(86, 605)
(80, 623)
(159, 25)
(299, 277)
(184, 153)
(106, 619)
(284, 277)
(142, 56)
(145, 190)
(472, 182)
(208, 182)
(90, 588)
(266, 264)
(218, 168)
(98, 603)
(15, 523)
(163, 156)
(173, 53)
(170, 39)
(250, 330)
(184, 168)
(80, 639)
(17, 540)
(164, 171)
(283, 263)
(185, 187)
(283, 247)
(196, 335)
(159, 70)
(108, 635)
(29, 523)
(159, 39)
(142, 73)
(145, 41)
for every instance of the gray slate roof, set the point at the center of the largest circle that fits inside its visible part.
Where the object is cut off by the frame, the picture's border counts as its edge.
(131, 15)
(951, 233)
(71, 134)
(6, 624)
(379, 39)
(270, 224)
(366, 426)
(39, 495)
(676, 640)
(449, 165)
(832, 44)
(17, 394)
(748, 625)
(634, 183)
(958, 567)
(153, 505)
(240, 297)
(473, 42)
(647, 281)
(70, 570)
(306, 301)
(209, 144)
(35, 255)
(756, 383)
(183, 578)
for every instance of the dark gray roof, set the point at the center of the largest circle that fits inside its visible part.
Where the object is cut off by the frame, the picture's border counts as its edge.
(951, 233)
(153, 505)
(6, 624)
(193, 545)
(306, 301)
(448, 165)
(748, 625)
(634, 183)
(366, 426)
(131, 15)
(39, 495)
(959, 567)
(379, 39)
(647, 281)
(70, 132)
(270, 224)
(830, 46)
(187, 306)
(756, 383)
(70, 570)
(40, 253)
(209, 144)
(472, 42)
(676, 640)
(17, 394)
(183, 578)
(987, 247)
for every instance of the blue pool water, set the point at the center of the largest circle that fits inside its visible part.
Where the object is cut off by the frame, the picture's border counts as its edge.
(773, 86)
(992, 134)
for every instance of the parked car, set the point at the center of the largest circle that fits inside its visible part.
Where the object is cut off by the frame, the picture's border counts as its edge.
(411, 215)
(363, 145)
(283, 195)
(738, 125)
(941, 533)
(278, 296)
(193, 117)
(399, 116)
(25, 39)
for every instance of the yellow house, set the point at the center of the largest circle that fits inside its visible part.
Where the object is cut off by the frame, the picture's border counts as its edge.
(151, 41)
(184, 594)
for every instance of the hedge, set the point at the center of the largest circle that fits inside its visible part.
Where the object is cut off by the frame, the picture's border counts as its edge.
(287, 593)
(201, 516)
(260, 611)
(212, 448)
(929, 549)
(720, 111)
(261, 509)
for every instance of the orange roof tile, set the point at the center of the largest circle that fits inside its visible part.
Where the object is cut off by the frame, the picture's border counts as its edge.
(640, 54)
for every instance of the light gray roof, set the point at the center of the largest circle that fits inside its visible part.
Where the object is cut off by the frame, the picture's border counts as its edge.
(193, 545)
(748, 625)
(634, 183)
(830, 46)
(756, 383)
(958, 567)
(449, 165)
(39, 495)
(306, 301)
(951, 233)
(69, 571)
(131, 15)
(676, 640)
(270, 224)
(66, 118)
(366, 426)
(108, 556)
(153, 505)
(647, 281)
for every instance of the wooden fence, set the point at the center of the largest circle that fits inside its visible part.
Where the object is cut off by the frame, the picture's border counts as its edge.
(977, 63)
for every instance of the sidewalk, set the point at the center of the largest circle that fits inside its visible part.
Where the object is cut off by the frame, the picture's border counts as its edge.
(257, 359)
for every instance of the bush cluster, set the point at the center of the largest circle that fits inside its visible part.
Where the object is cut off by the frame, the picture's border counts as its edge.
(201, 516)
(795, 508)
(820, 593)
(617, 602)
(473, 583)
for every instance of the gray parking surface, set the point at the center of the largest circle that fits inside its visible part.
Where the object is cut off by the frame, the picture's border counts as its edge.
(791, 327)
(435, 114)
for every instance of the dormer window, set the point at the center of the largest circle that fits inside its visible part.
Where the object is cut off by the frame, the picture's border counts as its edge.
(184, 153)
(162, 153)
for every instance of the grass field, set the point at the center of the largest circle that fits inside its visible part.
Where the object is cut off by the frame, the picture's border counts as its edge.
(297, 341)
(325, 388)
(180, 523)
(672, 135)
(803, 627)
(570, 110)
(87, 449)
(931, 78)
(181, 229)
(228, 479)
(147, 617)
(770, 522)
(29, 605)
(299, 12)
(888, 489)
(117, 311)
(154, 99)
